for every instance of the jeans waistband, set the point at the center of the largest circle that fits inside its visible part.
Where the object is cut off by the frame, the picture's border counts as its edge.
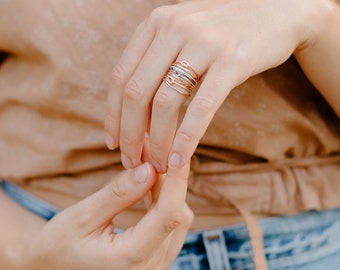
(30, 202)
(288, 241)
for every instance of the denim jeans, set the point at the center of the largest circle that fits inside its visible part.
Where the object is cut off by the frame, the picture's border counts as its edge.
(309, 241)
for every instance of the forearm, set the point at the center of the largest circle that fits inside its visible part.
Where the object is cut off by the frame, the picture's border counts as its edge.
(320, 56)
(17, 226)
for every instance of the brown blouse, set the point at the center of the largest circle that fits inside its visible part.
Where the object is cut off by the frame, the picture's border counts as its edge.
(272, 148)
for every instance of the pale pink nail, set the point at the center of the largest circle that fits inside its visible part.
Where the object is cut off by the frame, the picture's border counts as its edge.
(142, 173)
(110, 142)
(126, 162)
(175, 160)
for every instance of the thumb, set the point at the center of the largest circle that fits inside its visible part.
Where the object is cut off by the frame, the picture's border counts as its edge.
(126, 189)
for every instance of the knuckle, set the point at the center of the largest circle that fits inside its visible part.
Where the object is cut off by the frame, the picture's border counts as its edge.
(200, 106)
(133, 258)
(131, 142)
(118, 75)
(185, 136)
(133, 91)
(111, 124)
(119, 190)
(241, 58)
(242, 63)
(229, 47)
(211, 45)
(159, 151)
(183, 26)
(156, 15)
(159, 15)
(207, 40)
(173, 222)
(162, 101)
(235, 55)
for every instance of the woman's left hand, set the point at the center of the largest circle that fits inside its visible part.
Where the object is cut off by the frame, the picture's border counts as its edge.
(225, 41)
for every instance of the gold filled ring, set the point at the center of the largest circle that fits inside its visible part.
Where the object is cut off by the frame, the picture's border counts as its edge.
(181, 77)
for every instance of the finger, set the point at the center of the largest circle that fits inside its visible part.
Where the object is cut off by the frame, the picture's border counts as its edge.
(156, 188)
(101, 207)
(121, 73)
(152, 195)
(165, 111)
(221, 79)
(138, 96)
(166, 215)
(178, 237)
(141, 87)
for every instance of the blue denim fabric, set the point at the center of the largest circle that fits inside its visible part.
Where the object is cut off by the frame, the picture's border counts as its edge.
(309, 241)
(28, 201)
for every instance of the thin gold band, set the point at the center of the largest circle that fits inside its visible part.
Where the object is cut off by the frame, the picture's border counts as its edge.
(181, 77)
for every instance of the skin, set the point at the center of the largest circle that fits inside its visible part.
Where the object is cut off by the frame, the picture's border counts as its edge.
(81, 237)
(226, 42)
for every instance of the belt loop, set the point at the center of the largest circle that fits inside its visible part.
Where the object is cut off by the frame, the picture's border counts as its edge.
(255, 234)
(215, 245)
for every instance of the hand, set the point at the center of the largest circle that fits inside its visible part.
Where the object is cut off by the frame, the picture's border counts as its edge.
(81, 237)
(225, 42)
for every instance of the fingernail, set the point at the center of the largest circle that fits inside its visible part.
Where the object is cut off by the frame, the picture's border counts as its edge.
(126, 162)
(142, 173)
(110, 142)
(157, 166)
(175, 160)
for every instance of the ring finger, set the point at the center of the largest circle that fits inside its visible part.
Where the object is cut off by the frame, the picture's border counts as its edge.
(165, 112)
(137, 100)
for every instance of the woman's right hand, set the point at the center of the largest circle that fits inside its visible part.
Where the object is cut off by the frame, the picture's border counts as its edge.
(81, 237)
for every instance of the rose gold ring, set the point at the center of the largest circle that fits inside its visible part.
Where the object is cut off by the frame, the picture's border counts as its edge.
(182, 78)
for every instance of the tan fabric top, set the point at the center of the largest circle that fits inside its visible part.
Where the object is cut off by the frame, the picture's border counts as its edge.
(273, 147)
(274, 135)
